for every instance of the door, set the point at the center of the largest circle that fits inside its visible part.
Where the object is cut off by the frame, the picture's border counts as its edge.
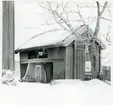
(38, 73)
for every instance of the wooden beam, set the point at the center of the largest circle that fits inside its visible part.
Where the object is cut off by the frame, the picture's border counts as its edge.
(40, 60)
(75, 48)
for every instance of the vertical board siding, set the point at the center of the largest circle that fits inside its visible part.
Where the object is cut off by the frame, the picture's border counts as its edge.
(74, 60)
(49, 71)
(80, 64)
(50, 53)
(69, 63)
(80, 61)
(58, 70)
(97, 62)
(56, 53)
(23, 56)
(100, 59)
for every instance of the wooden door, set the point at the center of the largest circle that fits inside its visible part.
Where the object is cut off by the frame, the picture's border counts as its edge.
(38, 73)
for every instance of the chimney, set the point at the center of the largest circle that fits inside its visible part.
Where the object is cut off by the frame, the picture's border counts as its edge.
(8, 35)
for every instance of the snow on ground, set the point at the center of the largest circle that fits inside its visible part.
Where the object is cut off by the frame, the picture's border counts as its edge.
(64, 92)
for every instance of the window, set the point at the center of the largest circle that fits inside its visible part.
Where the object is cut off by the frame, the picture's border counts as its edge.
(42, 53)
(32, 54)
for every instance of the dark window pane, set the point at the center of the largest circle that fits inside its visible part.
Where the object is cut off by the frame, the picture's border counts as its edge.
(32, 54)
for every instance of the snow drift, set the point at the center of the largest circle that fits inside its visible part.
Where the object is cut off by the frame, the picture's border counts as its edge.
(64, 92)
(8, 77)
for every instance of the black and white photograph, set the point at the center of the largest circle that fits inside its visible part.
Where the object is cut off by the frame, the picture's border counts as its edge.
(56, 52)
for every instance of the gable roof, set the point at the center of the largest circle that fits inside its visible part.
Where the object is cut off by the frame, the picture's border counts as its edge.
(55, 39)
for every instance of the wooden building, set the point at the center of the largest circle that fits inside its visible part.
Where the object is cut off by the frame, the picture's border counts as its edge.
(58, 55)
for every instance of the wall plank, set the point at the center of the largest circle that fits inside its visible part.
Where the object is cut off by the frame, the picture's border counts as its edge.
(80, 60)
(58, 70)
(69, 63)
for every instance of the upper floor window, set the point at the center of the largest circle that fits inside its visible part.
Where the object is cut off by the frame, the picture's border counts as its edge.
(32, 54)
(42, 53)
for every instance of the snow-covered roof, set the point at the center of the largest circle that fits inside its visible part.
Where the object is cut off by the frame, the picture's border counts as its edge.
(52, 39)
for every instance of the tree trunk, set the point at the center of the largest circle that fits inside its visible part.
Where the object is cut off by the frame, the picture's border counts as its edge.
(95, 36)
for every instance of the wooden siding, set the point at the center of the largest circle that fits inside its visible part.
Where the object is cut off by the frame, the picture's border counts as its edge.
(23, 56)
(69, 62)
(80, 61)
(41, 60)
(97, 61)
(74, 59)
(80, 64)
(53, 53)
(100, 65)
(58, 70)
(49, 71)
(56, 53)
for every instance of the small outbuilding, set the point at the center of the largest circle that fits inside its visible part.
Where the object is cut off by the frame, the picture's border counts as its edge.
(59, 55)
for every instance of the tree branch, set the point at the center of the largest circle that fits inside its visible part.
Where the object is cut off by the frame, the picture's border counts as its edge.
(54, 13)
(97, 28)
(98, 8)
(105, 4)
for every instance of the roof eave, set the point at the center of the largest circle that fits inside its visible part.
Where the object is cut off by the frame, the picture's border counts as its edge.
(103, 46)
(38, 47)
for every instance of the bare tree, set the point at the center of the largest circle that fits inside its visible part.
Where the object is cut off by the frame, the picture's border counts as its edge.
(96, 32)
(60, 15)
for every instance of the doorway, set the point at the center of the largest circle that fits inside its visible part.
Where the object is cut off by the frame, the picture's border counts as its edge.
(49, 71)
(38, 73)
(44, 72)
